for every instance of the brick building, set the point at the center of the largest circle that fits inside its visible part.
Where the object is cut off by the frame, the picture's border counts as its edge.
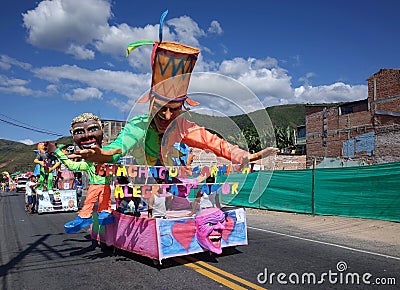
(111, 129)
(367, 131)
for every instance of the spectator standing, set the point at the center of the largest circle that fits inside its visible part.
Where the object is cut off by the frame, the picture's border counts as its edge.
(158, 203)
(30, 189)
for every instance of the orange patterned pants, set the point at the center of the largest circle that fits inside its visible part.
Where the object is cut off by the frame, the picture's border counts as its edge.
(95, 192)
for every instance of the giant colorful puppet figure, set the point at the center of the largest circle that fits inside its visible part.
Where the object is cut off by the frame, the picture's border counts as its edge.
(48, 164)
(87, 131)
(152, 136)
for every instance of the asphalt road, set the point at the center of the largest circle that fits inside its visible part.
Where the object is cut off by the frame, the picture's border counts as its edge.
(35, 253)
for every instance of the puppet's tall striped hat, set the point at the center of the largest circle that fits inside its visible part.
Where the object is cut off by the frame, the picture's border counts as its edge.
(172, 63)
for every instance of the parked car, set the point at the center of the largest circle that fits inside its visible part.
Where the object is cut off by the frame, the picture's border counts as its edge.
(21, 184)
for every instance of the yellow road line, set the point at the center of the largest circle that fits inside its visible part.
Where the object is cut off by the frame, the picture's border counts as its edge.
(195, 266)
(226, 274)
(209, 274)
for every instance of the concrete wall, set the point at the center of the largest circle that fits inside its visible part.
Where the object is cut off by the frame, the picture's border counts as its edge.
(279, 162)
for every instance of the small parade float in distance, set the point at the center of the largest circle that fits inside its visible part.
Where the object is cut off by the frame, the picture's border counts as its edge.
(178, 233)
(55, 189)
(63, 198)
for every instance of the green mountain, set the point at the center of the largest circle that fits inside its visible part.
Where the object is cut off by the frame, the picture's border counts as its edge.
(15, 156)
(279, 116)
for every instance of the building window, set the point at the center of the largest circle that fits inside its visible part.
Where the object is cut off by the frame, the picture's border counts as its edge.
(355, 107)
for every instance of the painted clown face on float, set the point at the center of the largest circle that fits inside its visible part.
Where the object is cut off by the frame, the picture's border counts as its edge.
(87, 131)
(209, 226)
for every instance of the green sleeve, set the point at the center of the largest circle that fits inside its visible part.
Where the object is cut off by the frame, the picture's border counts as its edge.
(71, 165)
(130, 136)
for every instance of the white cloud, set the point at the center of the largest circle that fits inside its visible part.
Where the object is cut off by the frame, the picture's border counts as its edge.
(116, 39)
(121, 82)
(27, 141)
(263, 77)
(80, 52)
(275, 83)
(59, 23)
(7, 62)
(187, 30)
(9, 82)
(272, 84)
(72, 26)
(268, 62)
(16, 86)
(239, 66)
(223, 94)
(80, 94)
(215, 28)
(234, 67)
(19, 90)
(306, 79)
(4, 65)
(337, 92)
(52, 88)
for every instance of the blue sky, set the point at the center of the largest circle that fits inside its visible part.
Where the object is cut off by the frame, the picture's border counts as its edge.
(60, 58)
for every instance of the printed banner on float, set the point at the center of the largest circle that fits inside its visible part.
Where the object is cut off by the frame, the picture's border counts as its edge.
(178, 237)
(177, 179)
(165, 238)
(59, 200)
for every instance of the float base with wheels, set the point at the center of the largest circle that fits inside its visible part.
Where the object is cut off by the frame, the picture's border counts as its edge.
(160, 239)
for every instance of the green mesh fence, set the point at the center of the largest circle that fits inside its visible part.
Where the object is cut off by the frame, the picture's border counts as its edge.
(365, 191)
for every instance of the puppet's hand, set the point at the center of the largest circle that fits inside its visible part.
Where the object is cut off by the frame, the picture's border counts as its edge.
(269, 151)
(73, 156)
(96, 154)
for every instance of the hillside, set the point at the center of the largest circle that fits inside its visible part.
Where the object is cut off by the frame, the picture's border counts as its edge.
(15, 156)
(280, 116)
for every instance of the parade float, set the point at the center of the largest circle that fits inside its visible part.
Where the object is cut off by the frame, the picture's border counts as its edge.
(61, 199)
(151, 139)
(174, 236)
(178, 234)
(53, 195)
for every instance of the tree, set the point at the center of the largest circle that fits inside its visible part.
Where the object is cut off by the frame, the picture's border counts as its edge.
(284, 137)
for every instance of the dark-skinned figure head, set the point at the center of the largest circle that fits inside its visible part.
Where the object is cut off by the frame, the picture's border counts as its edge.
(87, 131)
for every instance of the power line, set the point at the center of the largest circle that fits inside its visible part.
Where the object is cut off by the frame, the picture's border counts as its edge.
(29, 128)
(29, 125)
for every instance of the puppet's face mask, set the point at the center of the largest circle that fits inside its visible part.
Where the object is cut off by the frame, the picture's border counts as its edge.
(40, 147)
(209, 226)
(164, 113)
(87, 134)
